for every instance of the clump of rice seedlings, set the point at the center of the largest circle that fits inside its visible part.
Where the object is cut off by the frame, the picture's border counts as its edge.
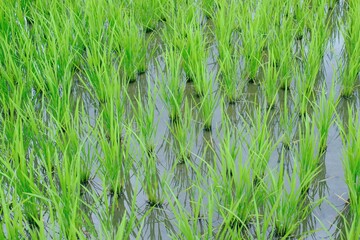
(207, 107)
(133, 47)
(115, 159)
(350, 159)
(183, 134)
(177, 23)
(270, 81)
(287, 203)
(234, 193)
(172, 86)
(106, 209)
(208, 7)
(302, 93)
(229, 79)
(260, 144)
(195, 55)
(252, 42)
(230, 152)
(147, 13)
(145, 117)
(23, 173)
(314, 55)
(64, 204)
(11, 213)
(281, 44)
(307, 156)
(100, 72)
(225, 23)
(287, 123)
(351, 34)
(152, 183)
(323, 115)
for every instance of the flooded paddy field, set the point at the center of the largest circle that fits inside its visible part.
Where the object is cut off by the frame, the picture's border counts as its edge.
(162, 119)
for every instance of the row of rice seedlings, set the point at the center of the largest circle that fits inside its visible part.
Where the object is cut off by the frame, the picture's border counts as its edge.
(350, 159)
(351, 35)
(172, 86)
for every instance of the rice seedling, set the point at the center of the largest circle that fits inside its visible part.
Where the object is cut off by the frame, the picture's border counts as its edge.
(225, 16)
(260, 143)
(252, 41)
(287, 123)
(350, 32)
(182, 133)
(178, 22)
(289, 204)
(145, 118)
(172, 86)
(307, 156)
(303, 94)
(133, 46)
(270, 82)
(207, 107)
(208, 7)
(323, 115)
(115, 159)
(195, 55)
(147, 13)
(228, 76)
(351, 165)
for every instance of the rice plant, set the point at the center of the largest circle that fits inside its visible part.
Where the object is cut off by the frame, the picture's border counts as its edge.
(307, 156)
(230, 82)
(145, 117)
(271, 79)
(289, 205)
(260, 143)
(351, 165)
(183, 135)
(172, 86)
(350, 31)
(207, 107)
(133, 47)
(323, 115)
(225, 16)
(252, 42)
